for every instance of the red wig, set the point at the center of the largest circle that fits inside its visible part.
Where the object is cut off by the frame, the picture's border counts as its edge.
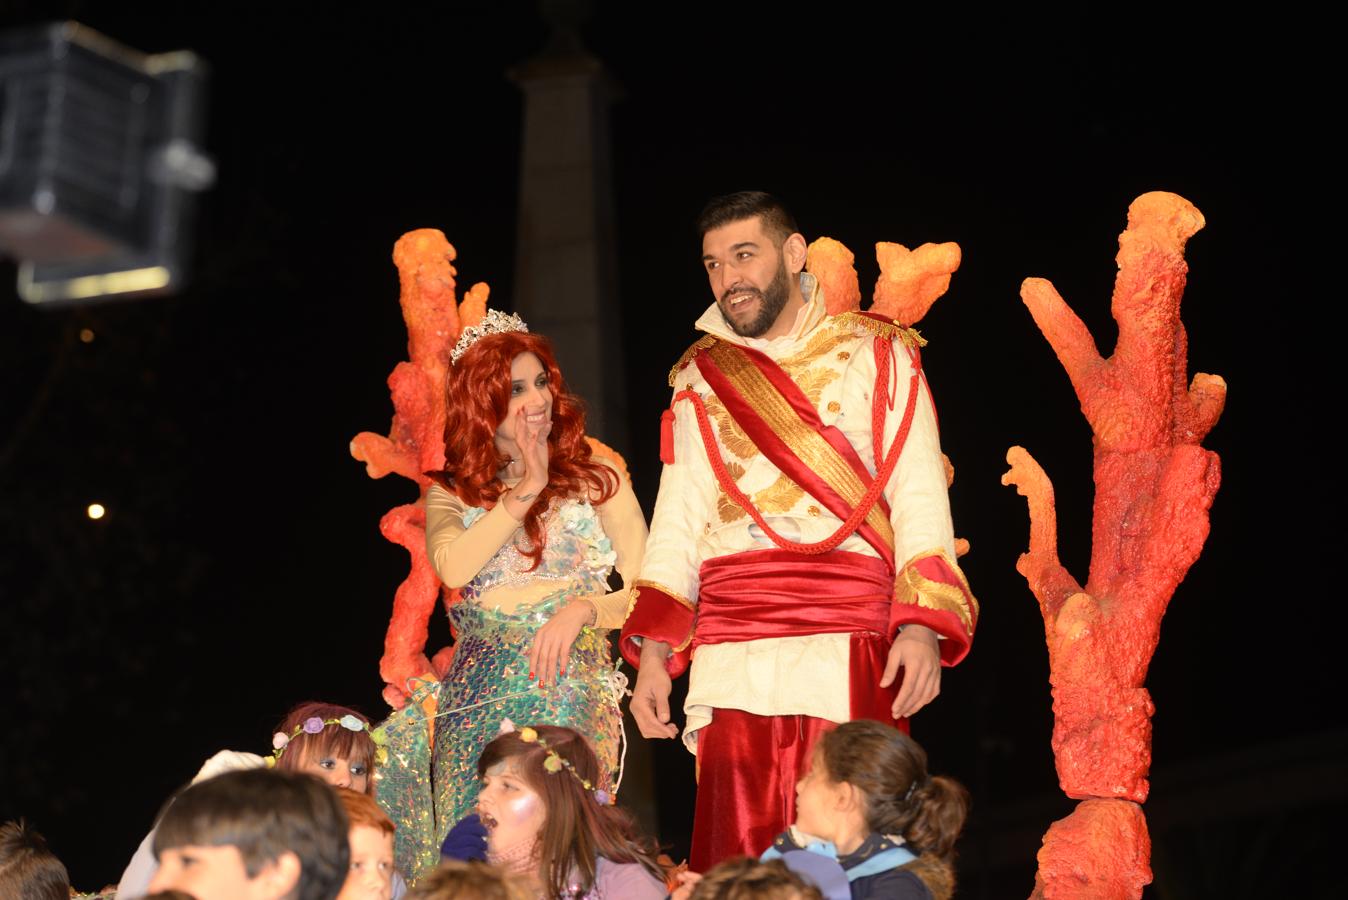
(476, 397)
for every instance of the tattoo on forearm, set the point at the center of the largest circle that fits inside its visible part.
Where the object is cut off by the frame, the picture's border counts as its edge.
(527, 497)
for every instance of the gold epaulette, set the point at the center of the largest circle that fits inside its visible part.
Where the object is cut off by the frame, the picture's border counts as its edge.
(887, 328)
(701, 343)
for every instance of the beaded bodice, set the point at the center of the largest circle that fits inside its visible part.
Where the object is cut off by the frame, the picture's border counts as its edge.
(576, 552)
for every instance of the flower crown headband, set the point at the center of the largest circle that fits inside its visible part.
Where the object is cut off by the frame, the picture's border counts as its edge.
(554, 762)
(280, 741)
(494, 322)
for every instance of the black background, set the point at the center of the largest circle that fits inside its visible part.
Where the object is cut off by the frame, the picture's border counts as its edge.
(240, 569)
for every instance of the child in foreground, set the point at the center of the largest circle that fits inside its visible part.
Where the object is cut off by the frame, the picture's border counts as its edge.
(28, 868)
(255, 834)
(331, 742)
(371, 876)
(869, 803)
(546, 817)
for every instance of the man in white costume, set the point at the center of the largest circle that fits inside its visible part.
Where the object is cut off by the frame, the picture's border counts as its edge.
(796, 557)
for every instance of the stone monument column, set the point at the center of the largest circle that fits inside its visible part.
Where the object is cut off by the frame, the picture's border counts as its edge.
(566, 253)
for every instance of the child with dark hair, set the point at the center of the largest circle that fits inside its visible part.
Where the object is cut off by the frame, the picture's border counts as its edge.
(548, 816)
(27, 868)
(869, 803)
(254, 834)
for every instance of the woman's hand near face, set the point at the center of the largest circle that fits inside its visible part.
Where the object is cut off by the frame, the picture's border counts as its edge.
(552, 644)
(532, 439)
(533, 444)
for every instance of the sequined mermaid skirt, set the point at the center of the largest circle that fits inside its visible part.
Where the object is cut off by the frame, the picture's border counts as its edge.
(488, 681)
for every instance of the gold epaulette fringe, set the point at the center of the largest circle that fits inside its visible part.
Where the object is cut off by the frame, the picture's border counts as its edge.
(702, 343)
(883, 328)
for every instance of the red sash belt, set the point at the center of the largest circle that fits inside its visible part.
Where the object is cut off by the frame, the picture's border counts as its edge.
(777, 593)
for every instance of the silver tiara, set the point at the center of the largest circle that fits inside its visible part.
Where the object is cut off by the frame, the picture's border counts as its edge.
(494, 322)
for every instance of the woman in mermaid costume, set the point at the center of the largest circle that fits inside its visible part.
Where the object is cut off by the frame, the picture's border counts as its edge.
(527, 524)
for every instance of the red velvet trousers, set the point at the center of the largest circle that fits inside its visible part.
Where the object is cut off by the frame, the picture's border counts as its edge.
(748, 767)
(748, 764)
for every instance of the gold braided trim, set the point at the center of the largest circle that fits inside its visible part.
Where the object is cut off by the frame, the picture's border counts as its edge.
(817, 453)
(914, 588)
(891, 330)
(701, 343)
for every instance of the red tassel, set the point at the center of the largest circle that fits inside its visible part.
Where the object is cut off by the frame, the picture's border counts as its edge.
(667, 437)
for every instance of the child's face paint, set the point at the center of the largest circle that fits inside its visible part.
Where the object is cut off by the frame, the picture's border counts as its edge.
(512, 811)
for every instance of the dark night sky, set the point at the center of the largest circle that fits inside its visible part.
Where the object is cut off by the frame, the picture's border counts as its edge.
(240, 569)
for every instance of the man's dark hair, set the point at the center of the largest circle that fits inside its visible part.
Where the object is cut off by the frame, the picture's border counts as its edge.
(777, 222)
(265, 813)
(27, 868)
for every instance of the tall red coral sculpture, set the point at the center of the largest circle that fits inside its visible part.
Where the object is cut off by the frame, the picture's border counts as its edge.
(415, 444)
(1154, 485)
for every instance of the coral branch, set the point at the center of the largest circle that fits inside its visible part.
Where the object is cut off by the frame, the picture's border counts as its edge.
(404, 645)
(1067, 334)
(1206, 400)
(912, 280)
(1049, 579)
(1154, 488)
(415, 443)
(832, 263)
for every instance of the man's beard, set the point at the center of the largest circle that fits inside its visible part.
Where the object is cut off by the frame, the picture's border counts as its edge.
(770, 305)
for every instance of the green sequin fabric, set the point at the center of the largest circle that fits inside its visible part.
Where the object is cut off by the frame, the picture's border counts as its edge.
(488, 682)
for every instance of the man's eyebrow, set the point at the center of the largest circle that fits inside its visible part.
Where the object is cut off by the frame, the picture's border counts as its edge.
(733, 247)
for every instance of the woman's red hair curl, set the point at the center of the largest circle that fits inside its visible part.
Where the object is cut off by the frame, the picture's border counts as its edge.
(477, 394)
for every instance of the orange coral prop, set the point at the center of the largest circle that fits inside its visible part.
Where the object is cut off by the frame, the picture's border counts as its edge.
(1154, 487)
(831, 263)
(415, 444)
(910, 282)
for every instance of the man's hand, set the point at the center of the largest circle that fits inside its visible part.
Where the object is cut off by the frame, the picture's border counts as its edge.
(918, 651)
(650, 698)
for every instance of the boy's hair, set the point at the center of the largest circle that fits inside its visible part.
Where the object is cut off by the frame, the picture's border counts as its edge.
(457, 880)
(27, 867)
(743, 878)
(778, 224)
(265, 813)
(362, 810)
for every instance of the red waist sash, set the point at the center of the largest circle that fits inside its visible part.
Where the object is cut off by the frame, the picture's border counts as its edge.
(777, 593)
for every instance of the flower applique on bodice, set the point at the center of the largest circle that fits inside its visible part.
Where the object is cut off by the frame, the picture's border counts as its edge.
(576, 552)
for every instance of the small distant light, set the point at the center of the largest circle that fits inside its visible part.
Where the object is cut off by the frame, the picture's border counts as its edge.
(87, 335)
(96, 511)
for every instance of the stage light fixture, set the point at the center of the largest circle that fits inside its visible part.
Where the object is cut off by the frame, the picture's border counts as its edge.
(99, 163)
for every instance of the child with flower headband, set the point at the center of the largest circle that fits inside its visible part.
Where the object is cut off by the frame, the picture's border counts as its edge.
(322, 739)
(330, 741)
(547, 815)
